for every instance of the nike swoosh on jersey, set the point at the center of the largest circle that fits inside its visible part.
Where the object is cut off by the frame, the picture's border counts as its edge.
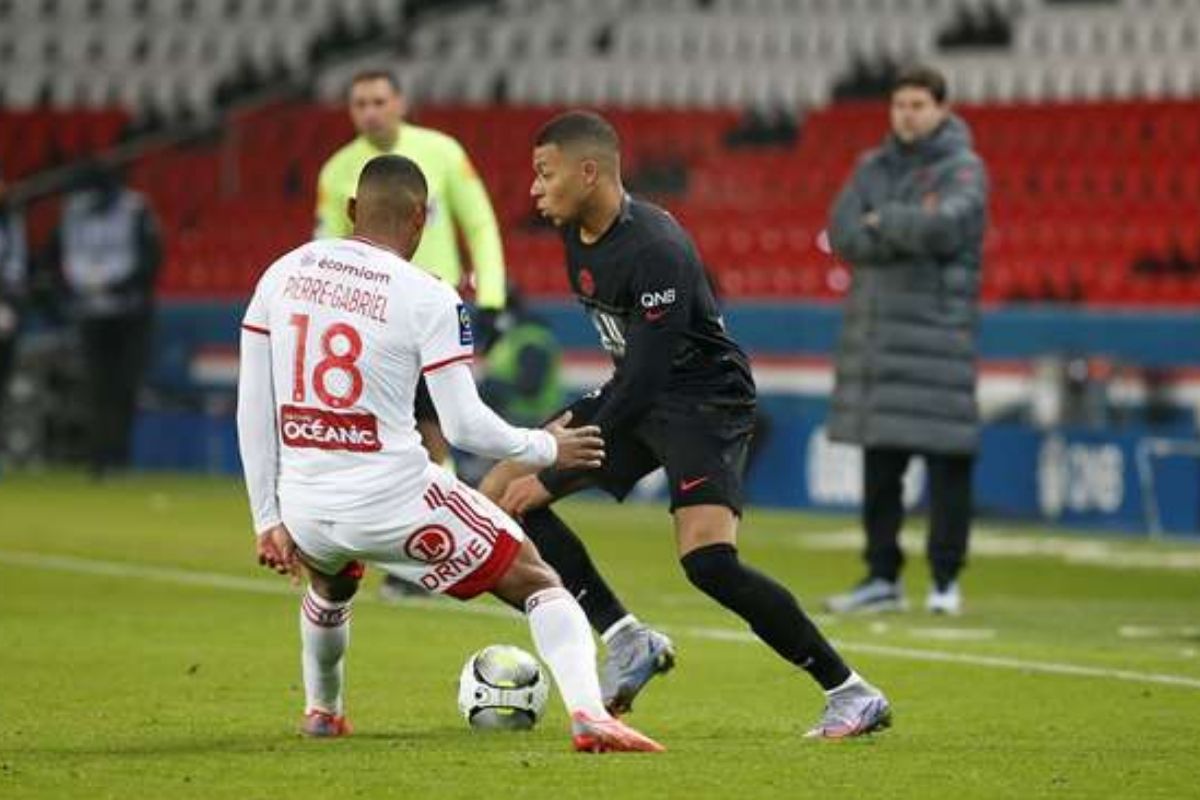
(687, 486)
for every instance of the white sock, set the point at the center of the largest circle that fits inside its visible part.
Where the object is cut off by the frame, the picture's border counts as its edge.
(324, 635)
(853, 681)
(627, 621)
(564, 640)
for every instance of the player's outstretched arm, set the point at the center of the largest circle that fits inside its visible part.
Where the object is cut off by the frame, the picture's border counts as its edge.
(519, 492)
(578, 448)
(470, 425)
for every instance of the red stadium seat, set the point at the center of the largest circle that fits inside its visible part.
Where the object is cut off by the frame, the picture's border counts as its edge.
(1079, 191)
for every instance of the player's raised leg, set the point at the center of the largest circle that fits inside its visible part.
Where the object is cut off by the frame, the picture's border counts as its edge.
(324, 637)
(564, 640)
(706, 536)
(559, 546)
(634, 652)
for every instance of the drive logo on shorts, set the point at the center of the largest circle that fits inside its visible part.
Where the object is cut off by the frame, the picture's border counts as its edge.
(329, 430)
(432, 545)
(465, 335)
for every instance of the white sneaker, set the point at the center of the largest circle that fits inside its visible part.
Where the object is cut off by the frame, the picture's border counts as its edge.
(872, 595)
(947, 601)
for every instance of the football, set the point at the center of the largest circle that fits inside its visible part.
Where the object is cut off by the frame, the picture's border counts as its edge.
(502, 688)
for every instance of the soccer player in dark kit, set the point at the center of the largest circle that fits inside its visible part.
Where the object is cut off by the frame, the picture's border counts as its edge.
(681, 397)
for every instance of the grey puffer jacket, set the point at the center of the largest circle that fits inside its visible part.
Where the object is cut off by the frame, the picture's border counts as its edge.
(905, 374)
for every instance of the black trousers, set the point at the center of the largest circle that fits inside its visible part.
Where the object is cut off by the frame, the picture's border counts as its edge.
(115, 351)
(8, 352)
(949, 511)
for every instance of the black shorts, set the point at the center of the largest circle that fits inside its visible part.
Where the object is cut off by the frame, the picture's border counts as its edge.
(703, 450)
(423, 408)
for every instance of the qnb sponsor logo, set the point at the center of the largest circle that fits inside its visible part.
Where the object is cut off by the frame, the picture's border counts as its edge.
(454, 568)
(656, 299)
(1080, 477)
(329, 430)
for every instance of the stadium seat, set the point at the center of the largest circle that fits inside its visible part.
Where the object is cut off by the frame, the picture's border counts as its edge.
(1089, 123)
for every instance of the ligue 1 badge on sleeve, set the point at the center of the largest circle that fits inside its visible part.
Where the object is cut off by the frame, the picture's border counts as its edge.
(465, 336)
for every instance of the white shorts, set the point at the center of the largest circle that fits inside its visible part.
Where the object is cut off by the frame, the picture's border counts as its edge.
(459, 543)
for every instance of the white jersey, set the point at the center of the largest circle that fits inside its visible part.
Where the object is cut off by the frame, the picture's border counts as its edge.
(352, 326)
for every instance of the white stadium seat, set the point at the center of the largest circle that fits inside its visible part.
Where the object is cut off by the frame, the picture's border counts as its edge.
(723, 52)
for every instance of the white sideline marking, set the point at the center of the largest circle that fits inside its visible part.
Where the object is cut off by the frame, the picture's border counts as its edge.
(997, 662)
(1153, 632)
(992, 543)
(213, 580)
(953, 634)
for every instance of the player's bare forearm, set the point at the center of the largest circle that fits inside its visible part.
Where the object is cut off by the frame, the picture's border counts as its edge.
(497, 480)
(525, 494)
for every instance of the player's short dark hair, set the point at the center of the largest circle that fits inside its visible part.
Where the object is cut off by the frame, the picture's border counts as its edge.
(393, 174)
(579, 127)
(367, 75)
(922, 76)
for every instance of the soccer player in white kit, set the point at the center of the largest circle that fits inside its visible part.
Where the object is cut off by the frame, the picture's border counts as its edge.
(332, 345)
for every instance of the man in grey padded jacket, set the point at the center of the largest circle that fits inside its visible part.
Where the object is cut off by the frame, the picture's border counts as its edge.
(911, 222)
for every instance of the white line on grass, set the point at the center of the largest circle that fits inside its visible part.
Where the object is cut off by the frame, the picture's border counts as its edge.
(997, 662)
(953, 634)
(1154, 632)
(1115, 554)
(213, 580)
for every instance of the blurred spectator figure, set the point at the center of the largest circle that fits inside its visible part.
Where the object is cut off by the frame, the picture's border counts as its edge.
(106, 252)
(522, 380)
(13, 285)
(974, 27)
(910, 222)
(1173, 262)
(760, 127)
(868, 78)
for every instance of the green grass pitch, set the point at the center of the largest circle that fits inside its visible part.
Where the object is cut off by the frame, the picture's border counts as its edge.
(144, 654)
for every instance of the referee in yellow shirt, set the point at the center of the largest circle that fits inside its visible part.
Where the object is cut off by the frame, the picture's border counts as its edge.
(456, 196)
